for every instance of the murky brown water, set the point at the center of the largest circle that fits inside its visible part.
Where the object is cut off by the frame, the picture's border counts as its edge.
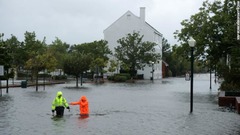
(159, 108)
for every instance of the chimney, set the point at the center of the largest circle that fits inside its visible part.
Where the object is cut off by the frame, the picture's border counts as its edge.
(142, 14)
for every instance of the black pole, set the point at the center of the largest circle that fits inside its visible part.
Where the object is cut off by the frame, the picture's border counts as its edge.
(7, 85)
(210, 79)
(215, 74)
(7, 82)
(191, 97)
(0, 86)
(81, 79)
(44, 80)
(152, 70)
(37, 82)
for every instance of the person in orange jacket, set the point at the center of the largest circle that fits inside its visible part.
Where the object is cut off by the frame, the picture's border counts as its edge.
(83, 106)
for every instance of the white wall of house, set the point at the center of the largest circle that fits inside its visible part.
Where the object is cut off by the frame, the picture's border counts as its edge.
(129, 23)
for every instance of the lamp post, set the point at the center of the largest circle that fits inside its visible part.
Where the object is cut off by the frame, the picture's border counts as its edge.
(191, 43)
(210, 79)
(152, 70)
(1, 74)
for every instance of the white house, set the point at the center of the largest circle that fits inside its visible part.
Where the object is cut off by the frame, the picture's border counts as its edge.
(129, 23)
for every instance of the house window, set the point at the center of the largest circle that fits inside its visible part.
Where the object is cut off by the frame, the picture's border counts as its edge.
(128, 16)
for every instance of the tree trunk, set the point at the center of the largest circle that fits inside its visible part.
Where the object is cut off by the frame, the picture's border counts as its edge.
(77, 81)
(37, 82)
(81, 79)
(7, 81)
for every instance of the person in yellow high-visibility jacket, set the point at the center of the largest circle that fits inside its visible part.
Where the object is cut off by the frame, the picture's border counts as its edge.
(59, 103)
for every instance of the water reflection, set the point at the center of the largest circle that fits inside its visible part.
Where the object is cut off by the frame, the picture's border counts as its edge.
(6, 102)
(59, 124)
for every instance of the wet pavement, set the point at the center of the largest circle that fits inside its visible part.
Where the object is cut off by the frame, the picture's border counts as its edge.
(155, 108)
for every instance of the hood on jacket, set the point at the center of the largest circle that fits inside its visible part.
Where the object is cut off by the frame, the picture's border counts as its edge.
(83, 98)
(59, 93)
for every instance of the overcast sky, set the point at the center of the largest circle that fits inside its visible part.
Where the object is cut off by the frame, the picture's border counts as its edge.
(80, 21)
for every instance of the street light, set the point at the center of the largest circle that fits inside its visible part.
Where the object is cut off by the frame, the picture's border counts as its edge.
(151, 62)
(210, 78)
(191, 43)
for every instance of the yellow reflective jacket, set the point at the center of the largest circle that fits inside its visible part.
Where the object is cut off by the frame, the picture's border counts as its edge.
(59, 102)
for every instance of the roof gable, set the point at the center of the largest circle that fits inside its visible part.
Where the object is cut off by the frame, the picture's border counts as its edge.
(136, 17)
(126, 14)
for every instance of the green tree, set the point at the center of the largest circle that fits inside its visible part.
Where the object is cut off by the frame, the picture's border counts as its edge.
(134, 53)
(166, 55)
(76, 63)
(231, 72)
(113, 66)
(15, 51)
(166, 48)
(99, 52)
(98, 64)
(214, 29)
(59, 50)
(38, 56)
(32, 46)
(178, 64)
(5, 56)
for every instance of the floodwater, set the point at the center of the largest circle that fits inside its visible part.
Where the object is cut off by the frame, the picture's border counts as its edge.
(142, 108)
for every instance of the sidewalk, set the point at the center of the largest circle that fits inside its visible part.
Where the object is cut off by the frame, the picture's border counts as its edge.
(17, 84)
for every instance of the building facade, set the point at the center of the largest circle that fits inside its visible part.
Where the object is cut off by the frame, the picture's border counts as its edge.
(129, 23)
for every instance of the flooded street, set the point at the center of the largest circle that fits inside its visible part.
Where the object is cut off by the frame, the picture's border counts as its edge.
(154, 108)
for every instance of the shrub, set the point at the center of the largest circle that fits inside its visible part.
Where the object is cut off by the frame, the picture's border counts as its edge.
(120, 77)
(110, 78)
(60, 77)
(169, 73)
(44, 75)
(225, 86)
(128, 76)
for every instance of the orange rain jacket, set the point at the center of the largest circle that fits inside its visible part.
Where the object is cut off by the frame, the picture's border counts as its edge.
(83, 105)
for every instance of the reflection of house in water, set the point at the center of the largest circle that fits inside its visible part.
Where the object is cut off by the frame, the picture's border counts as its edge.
(129, 23)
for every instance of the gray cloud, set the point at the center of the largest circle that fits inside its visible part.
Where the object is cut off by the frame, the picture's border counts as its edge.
(78, 21)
